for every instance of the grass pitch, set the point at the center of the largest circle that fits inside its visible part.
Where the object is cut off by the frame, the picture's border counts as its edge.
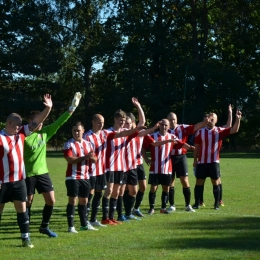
(230, 233)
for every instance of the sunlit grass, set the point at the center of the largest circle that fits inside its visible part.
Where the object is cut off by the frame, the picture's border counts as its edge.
(231, 233)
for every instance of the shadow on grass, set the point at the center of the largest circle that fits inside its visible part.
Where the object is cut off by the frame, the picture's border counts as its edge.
(55, 154)
(240, 155)
(240, 233)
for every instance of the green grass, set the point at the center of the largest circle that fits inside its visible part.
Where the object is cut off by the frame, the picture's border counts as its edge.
(231, 233)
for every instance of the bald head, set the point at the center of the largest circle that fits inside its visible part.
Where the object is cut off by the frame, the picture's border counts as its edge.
(172, 119)
(97, 117)
(97, 123)
(213, 119)
(13, 124)
(164, 126)
(13, 116)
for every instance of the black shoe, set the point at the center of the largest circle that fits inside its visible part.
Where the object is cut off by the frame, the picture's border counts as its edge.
(216, 207)
(195, 206)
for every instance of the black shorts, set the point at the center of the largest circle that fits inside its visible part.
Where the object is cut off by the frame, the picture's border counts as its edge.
(205, 170)
(140, 172)
(92, 182)
(11, 191)
(116, 177)
(160, 179)
(100, 183)
(42, 183)
(179, 166)
(77, 188)
(131, 177)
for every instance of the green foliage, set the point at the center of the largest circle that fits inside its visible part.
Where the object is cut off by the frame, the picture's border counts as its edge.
(181, 56)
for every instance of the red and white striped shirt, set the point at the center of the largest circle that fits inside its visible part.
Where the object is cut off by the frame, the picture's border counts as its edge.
(11, 155)
(115, 154)
(160, 155)
(99, 144)
(210, 141)
(130, 154)
(138, 146)
(182, 132)
(72, 148)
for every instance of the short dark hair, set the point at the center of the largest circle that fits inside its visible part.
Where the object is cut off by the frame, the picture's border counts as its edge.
(119, 113)
(33, 114)
(78, 123)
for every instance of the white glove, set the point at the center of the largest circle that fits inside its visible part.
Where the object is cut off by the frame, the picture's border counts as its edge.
(75, 101)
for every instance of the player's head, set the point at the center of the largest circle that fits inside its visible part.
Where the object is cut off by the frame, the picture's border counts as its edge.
(205, 116)
(164, 126)
(77, 131)
(128, 123)
(98, 122)
(119, 118)
(172, 119)
(13, 124)
(131, 115)
(213, 119)
(32, 115)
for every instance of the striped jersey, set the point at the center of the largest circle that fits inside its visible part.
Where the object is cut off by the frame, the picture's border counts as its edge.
(131, 154)
(11, 155)
(99, 144)
(160, 155)
(72, 148)
(115, 153)
(182, 132)
(210, 141)
(138, 147)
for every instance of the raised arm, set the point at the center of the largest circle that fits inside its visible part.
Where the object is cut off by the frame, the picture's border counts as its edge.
(141, 115)
(75, 102)
(229, 120)
(149, 130)
(236, 126)
(201, 124)
(52, 128)
(129, 132)
(42, 116)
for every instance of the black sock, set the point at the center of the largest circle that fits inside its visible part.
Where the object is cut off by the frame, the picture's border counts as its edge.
(70, 214)
(171, 196)
(89, 202)
(164, 199)
(46, 215)
(139, 199)
(197, 191)
(152, 197)
(105, 207)
(125, 198)
(119, 206)
(112, 207)
(202, 193)
(130, 204)
(82, 211)
(28, 209)
(186, 193)
(23, 222)
(220, 191)
(216, 192)
(95, 205)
